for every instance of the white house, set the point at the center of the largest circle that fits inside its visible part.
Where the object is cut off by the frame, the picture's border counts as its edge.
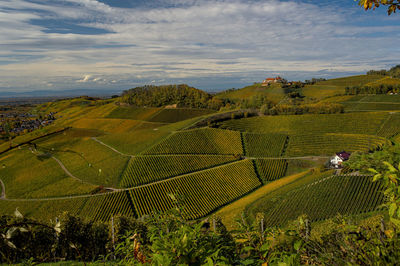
(339, 158)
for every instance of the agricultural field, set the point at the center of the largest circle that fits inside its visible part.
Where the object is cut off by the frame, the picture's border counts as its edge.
(126, 112)
(351, 123)
(178, 114)
(264, 145)
(330, 143)
(201, 141)
(147, 169)
(270, 169)
(382, 102)
(201, 192)
(324, 199)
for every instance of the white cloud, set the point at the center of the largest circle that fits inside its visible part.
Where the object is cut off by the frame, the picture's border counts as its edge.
(192, 39)
(85, 78)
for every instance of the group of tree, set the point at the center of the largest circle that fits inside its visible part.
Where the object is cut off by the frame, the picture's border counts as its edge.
(298, 109)
(380, 89)
(157, 96)
(392, 5)
(393, 72)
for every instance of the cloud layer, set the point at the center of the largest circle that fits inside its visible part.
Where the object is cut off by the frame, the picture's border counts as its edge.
(207, 43)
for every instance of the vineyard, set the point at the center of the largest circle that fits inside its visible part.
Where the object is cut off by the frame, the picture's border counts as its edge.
(270, 169)
(325, 198)
(351, 123)
(371, 106)
(97, 208)
(200, 141)
(146, 169)
(133, 113)
(391, 127)
(328, 144)
(201, 192)
(264, 145)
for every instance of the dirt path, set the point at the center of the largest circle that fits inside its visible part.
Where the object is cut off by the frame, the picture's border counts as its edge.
(3, 190)
(74, 177)
(113, 149)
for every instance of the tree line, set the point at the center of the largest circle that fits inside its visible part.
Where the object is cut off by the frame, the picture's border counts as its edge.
(393, 72)
(381, 89)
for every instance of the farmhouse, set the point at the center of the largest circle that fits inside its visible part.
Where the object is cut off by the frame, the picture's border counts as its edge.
(268, 81)
(339, 158)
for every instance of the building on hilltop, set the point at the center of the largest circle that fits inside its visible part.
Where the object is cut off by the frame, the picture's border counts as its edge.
(268, 81)
(339, 158)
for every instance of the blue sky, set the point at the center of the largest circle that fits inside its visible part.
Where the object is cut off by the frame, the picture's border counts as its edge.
(209, 44)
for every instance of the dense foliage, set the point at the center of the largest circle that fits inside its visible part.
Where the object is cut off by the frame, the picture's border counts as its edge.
(393, 72)
(156, 96)
(379, 89)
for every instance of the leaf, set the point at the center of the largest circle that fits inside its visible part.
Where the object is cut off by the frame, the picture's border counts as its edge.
(10, 232)
(22, 229)
(297, 245)
(18, 214)
(10, 244)
(72, 245)
(396, 222)
(392, 209)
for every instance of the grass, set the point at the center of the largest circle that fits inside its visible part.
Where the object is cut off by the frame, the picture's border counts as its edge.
(234, 210)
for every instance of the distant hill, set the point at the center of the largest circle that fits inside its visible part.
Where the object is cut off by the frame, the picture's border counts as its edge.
(157, 96)
(59, 93)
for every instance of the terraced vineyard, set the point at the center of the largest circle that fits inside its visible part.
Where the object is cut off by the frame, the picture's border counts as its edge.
(352, 123)
(271, 169)
(371, 106)
(200, 141)
(146, 169)
(97, 208)
(391, 127)
(325, 198)
(202, 192)
(328, 144)
(133, 113)
(264, 145)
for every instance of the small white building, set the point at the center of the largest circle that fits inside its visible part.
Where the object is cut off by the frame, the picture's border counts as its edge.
(339, 158)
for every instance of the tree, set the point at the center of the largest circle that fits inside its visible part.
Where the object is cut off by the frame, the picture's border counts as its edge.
(392, 5)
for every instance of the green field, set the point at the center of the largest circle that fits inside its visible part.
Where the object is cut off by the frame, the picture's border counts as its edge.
(134, 113)
(352, 123)
(264, 145)
(146, 169)
(200, 192)
(200, 141)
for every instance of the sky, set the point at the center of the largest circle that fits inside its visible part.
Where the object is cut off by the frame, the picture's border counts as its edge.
(208, 44)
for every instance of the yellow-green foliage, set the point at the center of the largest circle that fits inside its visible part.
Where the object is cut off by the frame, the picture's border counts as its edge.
(146, 169)
(200, 141)
(385, 81)
(201, 192)
(264, 145)
(359, 123)
(330, 143)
